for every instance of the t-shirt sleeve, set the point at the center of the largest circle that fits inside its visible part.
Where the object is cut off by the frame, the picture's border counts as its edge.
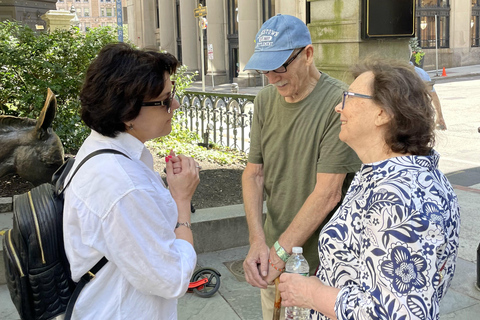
(335, 156)
(255, 153)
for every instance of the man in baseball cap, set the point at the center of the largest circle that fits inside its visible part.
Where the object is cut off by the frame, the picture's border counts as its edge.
(295, 158)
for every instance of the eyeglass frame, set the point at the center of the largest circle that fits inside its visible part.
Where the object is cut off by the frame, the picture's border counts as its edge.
(353, 94)
(166, 102)
(285, 65)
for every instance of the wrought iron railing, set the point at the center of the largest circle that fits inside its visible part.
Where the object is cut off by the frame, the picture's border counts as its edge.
(220, 118)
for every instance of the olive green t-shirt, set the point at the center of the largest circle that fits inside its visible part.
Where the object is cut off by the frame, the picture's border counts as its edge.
(294, 142)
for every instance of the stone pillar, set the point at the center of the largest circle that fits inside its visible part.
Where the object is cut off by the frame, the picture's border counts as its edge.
(57, 19)
(249, 22)
(460, 41)
(335, 28)
(190, 36)
(167, 25)
(294, 8)
(141, 26)
(216, 36)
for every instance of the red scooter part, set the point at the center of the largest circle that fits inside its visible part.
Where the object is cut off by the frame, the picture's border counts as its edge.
(205, 282)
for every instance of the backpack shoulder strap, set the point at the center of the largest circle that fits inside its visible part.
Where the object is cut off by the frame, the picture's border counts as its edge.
(90, 274)
(60, 186)
(83, 281)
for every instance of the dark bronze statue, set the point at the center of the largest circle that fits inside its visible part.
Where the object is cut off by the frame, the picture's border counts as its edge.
(31, 148)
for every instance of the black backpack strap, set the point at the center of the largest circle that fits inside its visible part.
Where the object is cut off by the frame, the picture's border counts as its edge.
(83, 281)
(88, 157)
(90, 274)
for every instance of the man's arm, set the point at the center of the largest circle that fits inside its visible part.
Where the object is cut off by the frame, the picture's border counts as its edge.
(256, 262)
(438, 110)
(325, 196)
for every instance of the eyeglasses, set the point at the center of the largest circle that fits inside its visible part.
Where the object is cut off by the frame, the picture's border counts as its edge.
(167, 102)
(283, 67)
(353, 94)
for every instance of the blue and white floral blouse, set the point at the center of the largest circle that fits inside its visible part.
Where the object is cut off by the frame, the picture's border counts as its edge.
(392, 245)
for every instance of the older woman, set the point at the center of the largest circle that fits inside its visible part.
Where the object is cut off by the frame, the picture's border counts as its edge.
(119, 207)
(389, 252)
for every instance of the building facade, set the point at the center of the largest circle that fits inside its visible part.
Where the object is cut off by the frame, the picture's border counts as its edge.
(26, 11)
(94, 13)
(448, 31)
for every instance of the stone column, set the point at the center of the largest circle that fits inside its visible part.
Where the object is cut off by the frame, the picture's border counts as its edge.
(57, 19)
(141, 26)
(294, 8)
(249, 22)
(167, 25)
(460, 41)
(216, 36)
(190, 36)
(337, 40)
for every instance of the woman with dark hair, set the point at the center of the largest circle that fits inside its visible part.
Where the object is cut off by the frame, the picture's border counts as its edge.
(118, 207)
(389, 252)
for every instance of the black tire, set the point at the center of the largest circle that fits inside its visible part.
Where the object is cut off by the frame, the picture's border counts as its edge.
(211, 287)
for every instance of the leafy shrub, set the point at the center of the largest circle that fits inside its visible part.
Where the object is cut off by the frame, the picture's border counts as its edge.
(32, 62)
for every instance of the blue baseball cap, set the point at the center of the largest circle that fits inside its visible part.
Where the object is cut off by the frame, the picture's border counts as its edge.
(276, 40)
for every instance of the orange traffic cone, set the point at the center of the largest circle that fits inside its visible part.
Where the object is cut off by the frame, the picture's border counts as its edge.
(444, 74)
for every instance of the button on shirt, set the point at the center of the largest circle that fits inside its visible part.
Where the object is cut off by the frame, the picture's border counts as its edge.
(392, 245)
(119, 208)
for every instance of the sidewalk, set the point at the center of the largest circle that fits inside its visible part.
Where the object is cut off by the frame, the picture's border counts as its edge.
(460, 161)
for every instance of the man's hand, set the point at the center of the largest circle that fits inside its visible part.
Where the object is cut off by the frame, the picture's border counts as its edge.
(278, 266)
(256, 265)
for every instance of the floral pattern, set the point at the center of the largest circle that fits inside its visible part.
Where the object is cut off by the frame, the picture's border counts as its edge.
(392, 245)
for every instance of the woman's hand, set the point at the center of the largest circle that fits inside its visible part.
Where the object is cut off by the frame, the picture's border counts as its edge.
(297, 290)
(308, 292)
(182, 185)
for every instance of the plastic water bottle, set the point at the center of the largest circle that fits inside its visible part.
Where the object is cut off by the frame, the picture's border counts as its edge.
(297, 264)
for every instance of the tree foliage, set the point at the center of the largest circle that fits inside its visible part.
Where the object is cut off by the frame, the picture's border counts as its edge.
(32, 62)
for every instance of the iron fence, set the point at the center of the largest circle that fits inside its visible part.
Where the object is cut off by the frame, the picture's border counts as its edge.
(221, 118)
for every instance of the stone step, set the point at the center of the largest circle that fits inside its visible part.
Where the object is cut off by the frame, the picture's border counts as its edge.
(6, 222)
(6, 204)
(214, 229)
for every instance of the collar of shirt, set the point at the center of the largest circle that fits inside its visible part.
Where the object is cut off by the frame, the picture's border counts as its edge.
(380, 170)
(127, 144)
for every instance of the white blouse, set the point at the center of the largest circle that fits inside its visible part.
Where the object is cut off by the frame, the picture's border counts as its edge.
(119, 208)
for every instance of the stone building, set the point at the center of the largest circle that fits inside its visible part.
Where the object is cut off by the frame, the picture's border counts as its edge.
(447, 29)
(95, 13)
(26, 11)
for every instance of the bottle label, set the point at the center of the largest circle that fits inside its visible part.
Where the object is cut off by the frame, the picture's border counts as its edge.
(302, 274)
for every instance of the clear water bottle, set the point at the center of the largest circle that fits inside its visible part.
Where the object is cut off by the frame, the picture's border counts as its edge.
(297, 264)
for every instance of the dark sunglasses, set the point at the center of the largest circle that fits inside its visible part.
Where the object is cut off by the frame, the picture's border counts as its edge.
(167, 102)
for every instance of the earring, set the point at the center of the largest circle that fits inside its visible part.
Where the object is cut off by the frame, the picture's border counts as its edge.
(130, 126)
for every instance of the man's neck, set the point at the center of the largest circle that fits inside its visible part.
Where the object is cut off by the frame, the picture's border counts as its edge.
(308, 86)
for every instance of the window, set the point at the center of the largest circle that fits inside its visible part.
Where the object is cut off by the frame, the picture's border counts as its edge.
(429, 11)
(109, 12)
(233, 17)
(86, 12)
(102, 12)
(474, 23)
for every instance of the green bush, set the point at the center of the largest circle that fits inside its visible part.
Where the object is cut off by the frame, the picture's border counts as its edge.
(32, 62)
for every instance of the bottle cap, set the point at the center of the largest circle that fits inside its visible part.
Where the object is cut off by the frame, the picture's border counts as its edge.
(297, 250)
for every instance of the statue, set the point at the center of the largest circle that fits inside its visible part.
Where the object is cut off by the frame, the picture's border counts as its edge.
(31, 148)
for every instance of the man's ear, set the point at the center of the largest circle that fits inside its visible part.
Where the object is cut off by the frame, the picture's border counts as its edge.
(382, 117)
(309, 54)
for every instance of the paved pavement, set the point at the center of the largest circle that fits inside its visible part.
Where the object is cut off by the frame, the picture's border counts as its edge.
(460, 161)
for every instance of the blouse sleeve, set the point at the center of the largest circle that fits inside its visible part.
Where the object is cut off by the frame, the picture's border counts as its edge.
(141, 241)
(403, 265)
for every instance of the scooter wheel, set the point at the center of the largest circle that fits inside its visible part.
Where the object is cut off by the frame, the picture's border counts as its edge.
(211, 287)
